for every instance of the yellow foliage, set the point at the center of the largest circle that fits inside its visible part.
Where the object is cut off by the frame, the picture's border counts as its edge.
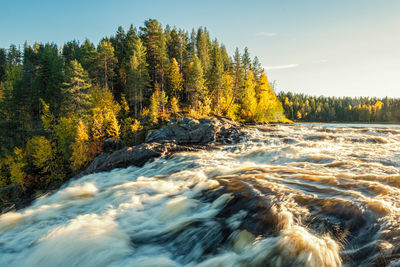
(80, 148)
(228, 106)
(16, 165)
(135, 126)
(298, 115)
(145, 112)
(104, 115)
(249, 98)
(175, 77)
(287, 102)
(46, 117)
(40, 152)
(269, 108)
(174, 106)
(153, 111)
(124, 104)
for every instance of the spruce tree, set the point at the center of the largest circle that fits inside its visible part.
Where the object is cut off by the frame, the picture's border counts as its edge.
(249, 105)
(216, 77)
(195, 84)
(138, 77)
(106, 62)
(175, 78)
(76, 90)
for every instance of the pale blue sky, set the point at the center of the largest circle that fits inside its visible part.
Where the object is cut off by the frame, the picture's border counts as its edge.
(313, 46)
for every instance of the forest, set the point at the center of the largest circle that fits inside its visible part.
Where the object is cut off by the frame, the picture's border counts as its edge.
(58, 105)
(300, 107)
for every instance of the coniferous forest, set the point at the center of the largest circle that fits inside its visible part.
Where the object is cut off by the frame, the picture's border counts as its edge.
(59, 104)
(300, 107)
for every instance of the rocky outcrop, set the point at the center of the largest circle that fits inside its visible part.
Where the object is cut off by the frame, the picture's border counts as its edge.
(111, 145)
(183, 134)
(136, 155)
(188, 131)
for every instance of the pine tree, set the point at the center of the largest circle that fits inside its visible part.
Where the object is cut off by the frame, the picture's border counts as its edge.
(249, 106)
(195, 84)
(238, 75)
(256, 68)
(216, 77)
(106, 62)
(80, 148)
(76, 90)
(89, 61)
(155, 43)
(246, 60)
(175, 78)
(176, 45)
(203, 45)
(138, 77)
(72, 51)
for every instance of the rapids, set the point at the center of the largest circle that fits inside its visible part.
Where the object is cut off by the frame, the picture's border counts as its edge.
(286, 195)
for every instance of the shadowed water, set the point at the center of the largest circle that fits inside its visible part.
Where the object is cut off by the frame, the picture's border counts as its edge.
(287, 195)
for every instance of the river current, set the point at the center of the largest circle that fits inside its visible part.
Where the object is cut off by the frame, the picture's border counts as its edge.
(286, 195)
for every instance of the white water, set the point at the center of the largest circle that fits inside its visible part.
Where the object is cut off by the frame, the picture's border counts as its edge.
(300, 195)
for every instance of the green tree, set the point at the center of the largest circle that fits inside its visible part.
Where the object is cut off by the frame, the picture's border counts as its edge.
(155, 42)
(106, 61)
(81, 155)
(138, 77)
(249, 106)
(203, 46)
(195, 83)
(40, 154)
(216, 77)
(76, 90)
(175, 78)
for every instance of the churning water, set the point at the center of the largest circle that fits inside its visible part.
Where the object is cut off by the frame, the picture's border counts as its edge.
(287, 195)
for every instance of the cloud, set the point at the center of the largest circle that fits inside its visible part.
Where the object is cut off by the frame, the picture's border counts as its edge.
(266, 34)
(279, 67)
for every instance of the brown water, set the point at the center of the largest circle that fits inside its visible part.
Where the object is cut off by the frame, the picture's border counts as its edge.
(287, 195)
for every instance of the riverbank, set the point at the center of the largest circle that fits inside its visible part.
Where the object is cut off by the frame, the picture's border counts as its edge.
(179, 134)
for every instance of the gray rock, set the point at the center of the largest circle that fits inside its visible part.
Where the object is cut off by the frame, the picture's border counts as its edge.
(183, 134)
(136, 155)
(188, 131)
(111, 145)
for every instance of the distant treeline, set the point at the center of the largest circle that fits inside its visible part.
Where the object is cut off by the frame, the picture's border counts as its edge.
(58, 105)
(301, 107)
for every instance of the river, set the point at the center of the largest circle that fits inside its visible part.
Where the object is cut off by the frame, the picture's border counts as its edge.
(286, 195)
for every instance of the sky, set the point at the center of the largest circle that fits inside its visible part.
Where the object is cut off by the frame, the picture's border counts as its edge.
(316, 47)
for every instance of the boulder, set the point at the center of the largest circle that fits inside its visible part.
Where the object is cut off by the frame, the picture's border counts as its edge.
(136, 155)
(183, 134)
(188, 131)
(111, 144)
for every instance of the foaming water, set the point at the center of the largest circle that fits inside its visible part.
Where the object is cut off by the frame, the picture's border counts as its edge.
(287, 195)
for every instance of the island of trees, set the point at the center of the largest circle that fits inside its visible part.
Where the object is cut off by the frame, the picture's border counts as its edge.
(305, 108)
(58, 105)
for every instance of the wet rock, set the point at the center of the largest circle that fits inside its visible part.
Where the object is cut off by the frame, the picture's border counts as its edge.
(188, 131)
(136, 155)
(183, 134)
(9, 197)
(112, 144)
(11, 192)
